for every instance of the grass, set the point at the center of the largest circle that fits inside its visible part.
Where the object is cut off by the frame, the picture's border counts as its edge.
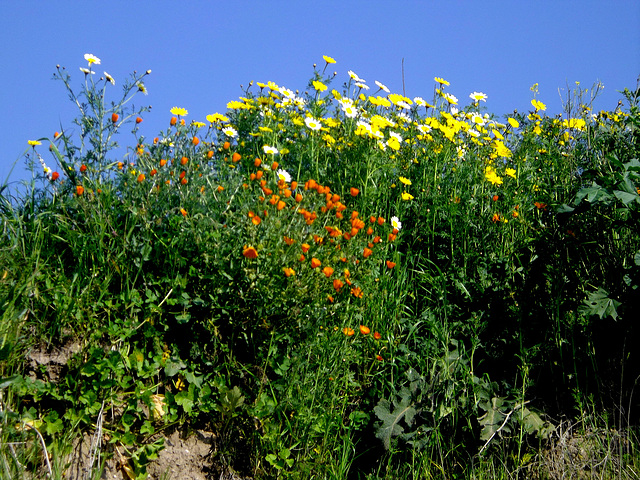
(337, 284)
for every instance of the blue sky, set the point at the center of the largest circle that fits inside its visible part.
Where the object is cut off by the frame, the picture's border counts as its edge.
(200, 52)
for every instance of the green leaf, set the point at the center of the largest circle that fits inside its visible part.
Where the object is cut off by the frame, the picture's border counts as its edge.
(492, 419)
(625, 197)
(600, 304)
(390, 426)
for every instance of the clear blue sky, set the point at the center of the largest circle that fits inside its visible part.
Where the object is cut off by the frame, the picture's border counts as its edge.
(200, 52)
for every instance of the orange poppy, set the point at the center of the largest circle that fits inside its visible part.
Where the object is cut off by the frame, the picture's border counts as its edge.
(338, 284)
(250, 252)
(390, 264)
(328, 271)
(114, 117)
(357, 292)
(288, 271)
(289, 241)
(79, 189)
(367, 252)
(364, 330)
(195, 141)
(305, 247)
(173, 121)
(315, 262)
(349, 332)
(236, 157)
(377, 335)
(141, 178)
(354, 192)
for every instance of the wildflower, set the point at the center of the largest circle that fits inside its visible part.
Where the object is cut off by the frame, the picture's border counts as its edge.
(441, 81)
(34, 143)
(79, 189)
(382, 86)
(114, 117)
(315, 263)
(367, 252)
(173, 121)
(250, 252)
(289, 272)
(289, 241)
(86, 71)
(349, 332)
(379, 358)
(143, 89)
(235, 158)
(364, 330)
(478, 96)
(338, 284)
(395, 223)
(328, 271)
(354, 192)
(495, 218)
(181, 112)
(312, 123)
(283, 175)
(357, 292)
(495, 198)
(540, 206)
(230, 132)
(491, 175)
(404, 180)
(109, 78)
(91, 59)
(390, 264)
(328, 59)
(141, 178)
(452, 99)
(510, 172)
(538, 105)
(354, 76)
(319, 86)
(377, 335)
(216, 117)
(270, 150)
(407, 196)
(513, 122)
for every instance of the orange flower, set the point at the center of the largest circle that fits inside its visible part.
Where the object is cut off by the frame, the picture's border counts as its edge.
(328, 271)
(83, 168)
(298, 197)
(377, 335)
(236, 157)
(380, 220)
(369, 231)
(141, 178)
(183, 212)
(392, 237)
(338, 284)
(357, 292)
(114, 117)
(274, 166)
(195, 141)
(153, 172)
(379, 358)
(138, 120)
(256, 220)
(367, 252)
(79, 189)
(495, 198)
(250, 252)
(349, 332)
(540, 206)
(220, 188)
(163, 162)
(184, 161)
(54, 176)
(495, 218)
(294, 185)
(182, 174)
(173, 121)
(305, 247)
(289, 241)
(301, 258)
(281, 205)
(288, 271)
(329, 298)
(315, 262)
(364, 330)
(390, 264)
(226, 145)
(184, 181)
(210, 154)
(354, 191)
(515, 214)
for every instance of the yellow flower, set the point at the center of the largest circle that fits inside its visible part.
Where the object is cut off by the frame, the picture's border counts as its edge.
(216, 117)
(513, 122)
(538, 105)
(407, 196)
(491, 176)
(319, 86)
(33, 143)
(510, 172)
(328, 59)
(404, 180)
(179, 111)
(441, 81)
